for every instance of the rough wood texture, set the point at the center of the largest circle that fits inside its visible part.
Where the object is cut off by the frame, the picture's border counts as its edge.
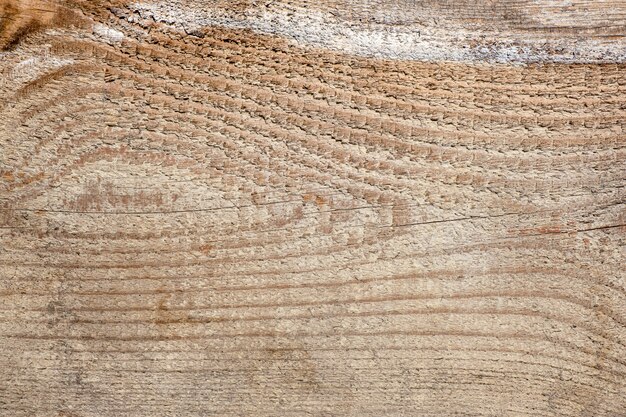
(278, 208)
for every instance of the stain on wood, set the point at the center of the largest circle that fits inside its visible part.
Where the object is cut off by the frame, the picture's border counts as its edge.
(339, 208)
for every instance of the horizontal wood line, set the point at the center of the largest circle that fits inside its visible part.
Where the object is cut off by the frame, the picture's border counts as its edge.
(184, 321)
(415, 276)
(364, 300)
(544, 234)
(484, 373)
(278, 355)
(261, 335)
(375, 351)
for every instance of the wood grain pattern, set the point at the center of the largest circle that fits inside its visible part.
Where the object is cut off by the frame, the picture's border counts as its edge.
(210, 209)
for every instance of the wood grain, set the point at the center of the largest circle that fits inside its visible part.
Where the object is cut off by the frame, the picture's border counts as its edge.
(251, 208)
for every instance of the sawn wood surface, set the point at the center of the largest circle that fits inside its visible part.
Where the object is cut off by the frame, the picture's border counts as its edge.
(294, 208)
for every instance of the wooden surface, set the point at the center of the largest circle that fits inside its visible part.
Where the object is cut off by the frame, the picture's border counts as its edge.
(292, 208)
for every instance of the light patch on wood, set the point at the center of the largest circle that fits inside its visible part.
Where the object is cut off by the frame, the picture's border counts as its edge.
(108, 33)
(415, 36)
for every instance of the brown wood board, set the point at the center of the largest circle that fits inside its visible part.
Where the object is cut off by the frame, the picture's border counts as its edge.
(293, 208)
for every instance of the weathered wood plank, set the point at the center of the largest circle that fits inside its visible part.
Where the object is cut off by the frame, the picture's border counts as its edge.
(342, 209)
